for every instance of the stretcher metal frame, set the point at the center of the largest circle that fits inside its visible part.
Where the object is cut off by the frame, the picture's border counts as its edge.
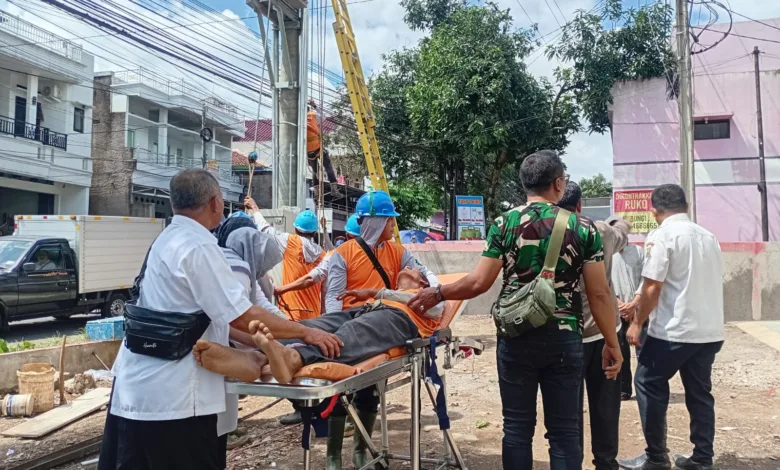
(388, 376)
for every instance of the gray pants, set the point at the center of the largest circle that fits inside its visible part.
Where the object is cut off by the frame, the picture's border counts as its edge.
(364, 334)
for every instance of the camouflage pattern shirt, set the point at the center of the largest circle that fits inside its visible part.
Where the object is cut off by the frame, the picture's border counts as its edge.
(520, 237)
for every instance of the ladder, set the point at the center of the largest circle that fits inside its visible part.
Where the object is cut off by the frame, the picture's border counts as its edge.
(359, 97)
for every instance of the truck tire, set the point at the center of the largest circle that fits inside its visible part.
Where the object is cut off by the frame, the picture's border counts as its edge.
(4, 327)
(114, 306)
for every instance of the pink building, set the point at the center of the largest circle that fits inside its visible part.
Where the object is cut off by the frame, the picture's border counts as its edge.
(645, 132)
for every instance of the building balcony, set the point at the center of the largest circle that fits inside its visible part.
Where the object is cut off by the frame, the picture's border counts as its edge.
(168, 160)
(29, 32)
(26, 130)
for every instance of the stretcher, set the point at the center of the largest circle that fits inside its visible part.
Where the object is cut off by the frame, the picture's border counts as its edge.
(422, 363)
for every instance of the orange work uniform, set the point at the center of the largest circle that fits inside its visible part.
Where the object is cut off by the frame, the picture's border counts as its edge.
(361, 273)
(312, 132)
(304, 304)
(425, 326)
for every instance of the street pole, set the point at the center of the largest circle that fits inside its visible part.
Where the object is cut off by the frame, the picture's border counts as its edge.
(685, 105)
(762, 169)
(203, 126)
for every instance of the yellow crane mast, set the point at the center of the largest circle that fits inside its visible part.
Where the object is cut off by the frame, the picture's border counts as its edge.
(359, 97)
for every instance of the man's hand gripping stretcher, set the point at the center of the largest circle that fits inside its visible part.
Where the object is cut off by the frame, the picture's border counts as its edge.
(362, 333)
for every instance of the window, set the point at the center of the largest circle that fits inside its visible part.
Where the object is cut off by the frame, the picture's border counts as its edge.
(131, 139)
(710, 130)
(48, 258)
(78, 120)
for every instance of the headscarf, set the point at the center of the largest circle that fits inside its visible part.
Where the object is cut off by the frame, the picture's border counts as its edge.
(371, 229)
(229, 225)
(256, 249)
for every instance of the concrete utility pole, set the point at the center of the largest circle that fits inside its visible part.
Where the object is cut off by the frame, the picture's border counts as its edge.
(762, 169)
(203, 141)
(685, 105)
(287, 69)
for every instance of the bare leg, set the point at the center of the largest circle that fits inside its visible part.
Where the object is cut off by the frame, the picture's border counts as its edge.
(284, 362)
(246, 366)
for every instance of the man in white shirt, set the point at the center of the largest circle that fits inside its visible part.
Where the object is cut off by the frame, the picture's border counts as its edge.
(682, 294)
(603, 392)
(163, 413)
(627, 283)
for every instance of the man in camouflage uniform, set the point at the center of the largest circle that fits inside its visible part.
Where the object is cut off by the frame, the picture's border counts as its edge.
(549, 357)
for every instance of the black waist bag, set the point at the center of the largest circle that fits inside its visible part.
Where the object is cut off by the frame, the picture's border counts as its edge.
(164, 335)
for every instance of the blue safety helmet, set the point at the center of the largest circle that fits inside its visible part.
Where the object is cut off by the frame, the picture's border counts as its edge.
(352, 227)
(306, 221)
(240, 214)
(376, 204)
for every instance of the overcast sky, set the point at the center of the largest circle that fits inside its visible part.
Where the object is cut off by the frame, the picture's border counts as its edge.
(379, 28)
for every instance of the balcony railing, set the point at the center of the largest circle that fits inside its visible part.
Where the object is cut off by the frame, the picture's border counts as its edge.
(173, 87)
(145, 156)
(28, 31)
(25, 130)
(145, 77)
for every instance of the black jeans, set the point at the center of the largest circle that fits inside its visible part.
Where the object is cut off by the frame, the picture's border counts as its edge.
(313, 159)
(659, 361)
(603, 409)
(626, 380)
(551, 359)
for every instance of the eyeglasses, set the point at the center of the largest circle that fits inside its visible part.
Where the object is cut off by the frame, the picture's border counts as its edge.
(566, 176)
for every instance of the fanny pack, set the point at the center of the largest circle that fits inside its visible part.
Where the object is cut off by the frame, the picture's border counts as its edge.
(533, 305)
(164, 335)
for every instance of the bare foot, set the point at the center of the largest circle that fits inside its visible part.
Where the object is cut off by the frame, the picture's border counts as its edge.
(284, 362)
(246, 366)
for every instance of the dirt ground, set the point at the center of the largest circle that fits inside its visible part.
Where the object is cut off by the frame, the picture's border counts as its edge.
(746, 379)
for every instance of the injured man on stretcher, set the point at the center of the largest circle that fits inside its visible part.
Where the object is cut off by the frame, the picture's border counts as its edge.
(365, 331)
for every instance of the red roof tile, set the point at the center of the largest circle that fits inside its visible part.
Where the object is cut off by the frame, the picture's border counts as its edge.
(264, 130)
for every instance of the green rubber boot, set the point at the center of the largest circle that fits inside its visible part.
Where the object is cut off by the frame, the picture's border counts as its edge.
(361, 455)
(335, 441)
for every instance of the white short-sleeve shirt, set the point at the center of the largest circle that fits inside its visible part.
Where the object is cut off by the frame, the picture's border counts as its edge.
(687, 259)
(186, 272)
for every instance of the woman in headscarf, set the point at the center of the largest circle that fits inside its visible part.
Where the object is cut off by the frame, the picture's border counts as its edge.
(248, 254)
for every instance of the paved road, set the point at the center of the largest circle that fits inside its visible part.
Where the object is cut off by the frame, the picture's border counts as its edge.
(48, 327)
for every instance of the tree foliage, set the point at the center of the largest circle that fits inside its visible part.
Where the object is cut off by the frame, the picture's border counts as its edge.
(427, 14)
(605, 48)
(462, 107)
(414, 202)
(596, 186)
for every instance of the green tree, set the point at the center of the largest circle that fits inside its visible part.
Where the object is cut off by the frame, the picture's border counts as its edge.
(414, 202)
(605, 48)
(462, 108)
(596, 186)
(427, 14)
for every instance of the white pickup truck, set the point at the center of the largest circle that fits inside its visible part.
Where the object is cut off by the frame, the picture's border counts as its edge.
(63, 265)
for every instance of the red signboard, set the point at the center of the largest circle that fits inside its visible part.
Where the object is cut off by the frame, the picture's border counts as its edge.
(635, 207)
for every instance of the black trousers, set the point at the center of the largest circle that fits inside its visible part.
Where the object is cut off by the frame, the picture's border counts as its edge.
(659, 361)
(626, 380)
(364, 334)
(182, 444)
(313, 159)
(603, 409)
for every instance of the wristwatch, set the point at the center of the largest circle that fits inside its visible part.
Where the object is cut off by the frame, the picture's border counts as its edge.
(439, 296)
